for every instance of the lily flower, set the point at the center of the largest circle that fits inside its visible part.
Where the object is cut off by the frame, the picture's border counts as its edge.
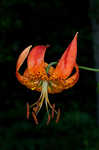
(44, 78)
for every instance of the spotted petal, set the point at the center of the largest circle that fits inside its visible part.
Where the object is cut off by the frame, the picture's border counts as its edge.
(35, 62)
(35, 71)
(60, 78)
(58, 86)
(71, 81)
(25, 79)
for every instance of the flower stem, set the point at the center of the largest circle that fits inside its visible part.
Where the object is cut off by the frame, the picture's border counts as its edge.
(80, 67)
(90, 69)
(49, 65)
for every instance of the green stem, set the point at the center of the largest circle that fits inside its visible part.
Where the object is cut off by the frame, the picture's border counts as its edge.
(80, 67)
(49, 65)
(90, 69)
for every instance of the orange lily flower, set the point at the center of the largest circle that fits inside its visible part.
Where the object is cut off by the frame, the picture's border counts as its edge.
(55, 80)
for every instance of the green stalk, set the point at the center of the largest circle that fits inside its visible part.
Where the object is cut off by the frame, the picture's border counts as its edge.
(80, 67)
(90, 69)
(49, 65)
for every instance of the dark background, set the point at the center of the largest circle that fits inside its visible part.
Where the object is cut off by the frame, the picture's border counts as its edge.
(26, 22)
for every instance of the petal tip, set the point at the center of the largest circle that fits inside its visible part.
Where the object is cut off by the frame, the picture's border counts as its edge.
(22, 57)
(76, 34)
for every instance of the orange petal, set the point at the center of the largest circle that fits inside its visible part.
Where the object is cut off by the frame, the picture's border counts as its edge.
(71, 81)
(25, 79)
(22, 57)
(68, 59)
(58, 86)
(36, 58)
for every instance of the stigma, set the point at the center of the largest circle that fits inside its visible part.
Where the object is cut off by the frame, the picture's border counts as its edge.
(50, 108)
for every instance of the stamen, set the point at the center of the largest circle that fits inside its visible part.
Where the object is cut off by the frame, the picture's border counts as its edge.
(40, 105)
(35, 109)
(35, 118)
(37, 105)
(50, 105)
(58, 115)
(46, 106)
(28, 111)
(48, 121)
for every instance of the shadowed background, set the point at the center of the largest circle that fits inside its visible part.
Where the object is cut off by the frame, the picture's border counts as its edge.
(23, 23)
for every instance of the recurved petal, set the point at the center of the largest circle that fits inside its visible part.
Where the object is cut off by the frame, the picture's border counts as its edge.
(35, 59)
(71, 81)
(58, 85)
(21, 78)
(55, 87)
(31, 84)
(22, 57)
(67, 61)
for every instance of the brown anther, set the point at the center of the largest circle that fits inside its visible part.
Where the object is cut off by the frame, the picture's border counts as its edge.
(35, 119)
(53, 110)
(58, 115)
(28, 111)
(49, 118)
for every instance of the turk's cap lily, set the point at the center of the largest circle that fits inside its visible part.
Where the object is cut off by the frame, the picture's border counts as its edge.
(55, 80)
(58, 78)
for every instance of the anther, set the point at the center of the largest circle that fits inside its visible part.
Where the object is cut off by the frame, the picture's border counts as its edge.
(35, 118)
(28, 111)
